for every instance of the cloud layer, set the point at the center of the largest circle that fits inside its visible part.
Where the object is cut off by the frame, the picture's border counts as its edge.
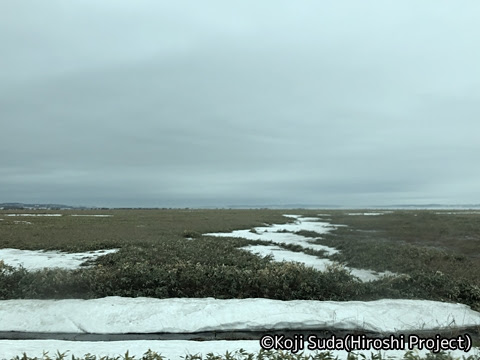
(210, 103)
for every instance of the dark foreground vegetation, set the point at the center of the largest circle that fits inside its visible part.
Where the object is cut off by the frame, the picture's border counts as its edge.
(262, 355)
(163, 254)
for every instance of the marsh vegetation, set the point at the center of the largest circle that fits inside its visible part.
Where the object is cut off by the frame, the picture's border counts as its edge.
(436, 253)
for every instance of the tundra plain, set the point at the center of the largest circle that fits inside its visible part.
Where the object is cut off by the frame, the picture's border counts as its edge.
(165, 254)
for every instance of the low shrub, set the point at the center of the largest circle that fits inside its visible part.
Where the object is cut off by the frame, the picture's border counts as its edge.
(261, 355)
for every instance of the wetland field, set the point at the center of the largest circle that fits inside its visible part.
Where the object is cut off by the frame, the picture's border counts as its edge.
(225, 254)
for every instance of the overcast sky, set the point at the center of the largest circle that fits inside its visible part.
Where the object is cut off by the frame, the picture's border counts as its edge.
(191, 103)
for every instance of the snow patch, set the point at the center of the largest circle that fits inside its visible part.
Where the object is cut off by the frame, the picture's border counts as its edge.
(38, 259)
(23, 222)
(284, 234)
(280, 254)
(91, 215)
(458, 213)
(33, 215)
(366, 214)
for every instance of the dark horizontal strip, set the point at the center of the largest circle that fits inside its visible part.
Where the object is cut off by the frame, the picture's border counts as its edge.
(474, 332)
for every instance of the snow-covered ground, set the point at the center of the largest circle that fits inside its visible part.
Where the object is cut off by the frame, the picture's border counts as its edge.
(118, 315)
(39, 259)
(285, 234)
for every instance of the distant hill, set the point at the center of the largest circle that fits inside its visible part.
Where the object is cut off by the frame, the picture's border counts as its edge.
(284, 206)
(19, 206)
(433, 206)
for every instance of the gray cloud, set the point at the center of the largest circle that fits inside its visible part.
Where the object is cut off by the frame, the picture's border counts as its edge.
(151, 103)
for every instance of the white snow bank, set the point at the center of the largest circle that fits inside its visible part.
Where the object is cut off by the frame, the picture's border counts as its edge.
(117, 315)
(172, 349)
(38, 259)
(281, 254)
(33, 214)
